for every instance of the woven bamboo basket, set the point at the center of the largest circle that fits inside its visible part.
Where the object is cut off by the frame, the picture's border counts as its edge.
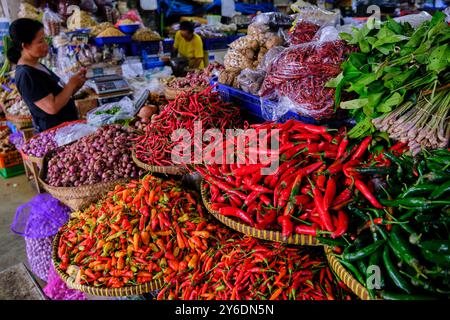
(345, 276)
(172, 93)
(99, 291)
(75, 197)
(20, 122)
(174, 170)
(297, 239)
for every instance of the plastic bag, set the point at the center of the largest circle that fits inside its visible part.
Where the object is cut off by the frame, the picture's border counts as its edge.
(300, 74)
(56, 288)
(273, 18)
(447, 12)
(415, 19)
(38, 221)
(269, 57)
(251, 80)
(111, 113)
(52, 22)
(312, 13)
(68, 134)
(132, 15)
(88, 5)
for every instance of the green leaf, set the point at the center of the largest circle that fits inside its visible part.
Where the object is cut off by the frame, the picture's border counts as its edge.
(358, 59)
(394, 26)
(346, 36)
(439, 58)
(364, 46)
(394, 38)
(360, 86)
(361, 129)
(417, 37)
(394, 100)
(399, 79)
(354, 104)
(333, 83)
(350, 71)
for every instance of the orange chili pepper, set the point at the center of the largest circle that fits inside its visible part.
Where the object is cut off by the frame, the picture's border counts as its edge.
(120, 263)
(145, 237)
(276, 294)
(136, 241)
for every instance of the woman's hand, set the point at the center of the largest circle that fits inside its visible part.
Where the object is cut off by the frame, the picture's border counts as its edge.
(77, 80)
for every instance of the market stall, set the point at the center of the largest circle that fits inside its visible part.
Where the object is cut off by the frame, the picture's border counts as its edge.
(336, 185)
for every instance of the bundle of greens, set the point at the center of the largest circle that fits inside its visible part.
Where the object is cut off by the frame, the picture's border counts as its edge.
(395, 62)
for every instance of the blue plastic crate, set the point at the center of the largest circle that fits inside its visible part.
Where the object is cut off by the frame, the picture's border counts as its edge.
(215, 43)
(112, 40)
(150, 47)
(251, 105)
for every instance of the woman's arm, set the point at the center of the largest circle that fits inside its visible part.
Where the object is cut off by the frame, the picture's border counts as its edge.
(196, 62)
(52, 104)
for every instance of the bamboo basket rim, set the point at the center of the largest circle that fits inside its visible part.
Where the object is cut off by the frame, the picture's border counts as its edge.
(101, 291)
(354, 285)
(174, 170)
(297, 239)
(172, 93)
(71, 192)
(19, 121)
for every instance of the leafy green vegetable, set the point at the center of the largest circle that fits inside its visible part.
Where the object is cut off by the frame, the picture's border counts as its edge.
(114, 110)
(394, 62)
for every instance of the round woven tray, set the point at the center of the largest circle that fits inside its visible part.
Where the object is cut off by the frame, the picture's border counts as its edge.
(98, 291)
(345, 276)
(19, 121)
(171, 93)
(174, 170)
(297, 239)
(75, 197)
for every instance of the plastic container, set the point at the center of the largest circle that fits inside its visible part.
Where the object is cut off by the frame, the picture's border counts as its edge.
(251, 105)
(112, 40)
(213, 19)
(129, 28)
(12, 172)
(10, 159)
(11, 126)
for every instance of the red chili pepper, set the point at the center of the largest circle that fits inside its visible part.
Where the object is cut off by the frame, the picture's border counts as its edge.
(342, 147)
(287, 227)
(366, 192)
(330, 192)
(362, 148)
(323, 213)
(304, 229)
(238, 213)
(342, 224)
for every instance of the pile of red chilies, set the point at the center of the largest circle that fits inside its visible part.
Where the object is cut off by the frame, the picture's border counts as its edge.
(244, 268)
(155, 146)
(306, 194)
(303, 32)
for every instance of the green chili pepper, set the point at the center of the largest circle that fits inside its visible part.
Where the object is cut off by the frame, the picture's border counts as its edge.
(438, 246)
(407, 215)
(420, 203)
(440, 259)
(418, 190)
(402, 249)
(353, 270)
(436, 176)
(362, 253)
(440, 190)
(332, 242)
(393, 272)
(357, 212)
(374, 170)
(397, 296)
(375, 260)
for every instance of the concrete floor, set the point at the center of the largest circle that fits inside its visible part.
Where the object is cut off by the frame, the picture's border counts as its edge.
(14, 192)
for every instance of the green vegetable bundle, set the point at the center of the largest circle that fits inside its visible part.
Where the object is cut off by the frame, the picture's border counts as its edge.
(409, 240)
(395, 62)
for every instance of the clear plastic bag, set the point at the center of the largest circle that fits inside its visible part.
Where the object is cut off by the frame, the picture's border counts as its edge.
(68, 134)
(269, 57)
(273, 18)
(415, 20)
(297, 77)
(52, 22)
(111, 113)
(251, 80)
(312, 13)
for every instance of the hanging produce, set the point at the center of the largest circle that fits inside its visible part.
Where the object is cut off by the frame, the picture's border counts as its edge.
(395, 63)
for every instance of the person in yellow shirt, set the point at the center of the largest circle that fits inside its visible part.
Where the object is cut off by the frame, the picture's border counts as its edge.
(189, 45)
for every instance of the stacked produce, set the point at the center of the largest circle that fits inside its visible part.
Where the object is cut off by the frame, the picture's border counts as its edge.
(9, 94)
(155, 146)
(5, 144)
(395, 65)
(100, 157)
(300, 73)
(307, 191)
(40, 145)
(143, 231)
(243, 268)
(410, 240)
(145, 34)
(247, 52)
(99, 28)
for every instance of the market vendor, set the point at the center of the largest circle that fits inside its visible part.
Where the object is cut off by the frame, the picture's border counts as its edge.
(188, 44)
(49, 100)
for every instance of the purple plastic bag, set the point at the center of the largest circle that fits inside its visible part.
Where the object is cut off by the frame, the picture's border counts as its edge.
(38, 221)
(56, 288)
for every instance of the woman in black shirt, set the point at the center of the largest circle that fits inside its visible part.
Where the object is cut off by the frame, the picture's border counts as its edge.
(49, 101)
